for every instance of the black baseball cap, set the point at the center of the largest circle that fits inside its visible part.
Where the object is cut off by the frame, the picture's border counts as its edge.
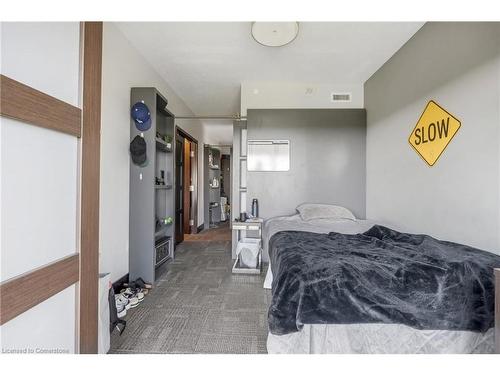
(138, 151)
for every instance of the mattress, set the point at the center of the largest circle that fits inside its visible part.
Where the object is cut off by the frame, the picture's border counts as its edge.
(364, 338)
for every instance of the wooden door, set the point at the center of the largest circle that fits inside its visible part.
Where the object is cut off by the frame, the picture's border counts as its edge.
(187, 186)
(190, 186)
(179, 193)
(193, 210)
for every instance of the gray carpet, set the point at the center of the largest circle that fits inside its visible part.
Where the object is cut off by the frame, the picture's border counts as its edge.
(199, 306)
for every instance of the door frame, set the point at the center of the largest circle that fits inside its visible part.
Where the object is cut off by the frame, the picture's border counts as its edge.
(90, 174)
(194, 178)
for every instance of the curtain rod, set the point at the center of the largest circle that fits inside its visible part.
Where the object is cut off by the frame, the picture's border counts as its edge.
(223, 145)
(235, 118)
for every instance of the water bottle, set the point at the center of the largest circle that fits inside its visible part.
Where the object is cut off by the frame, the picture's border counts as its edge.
(255, 208)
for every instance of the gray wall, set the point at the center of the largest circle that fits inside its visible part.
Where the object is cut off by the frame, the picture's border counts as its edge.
(327, 159)
(458, 66)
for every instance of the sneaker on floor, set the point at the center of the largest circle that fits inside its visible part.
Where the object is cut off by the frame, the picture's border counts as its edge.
(122, 305)
(130, 292)
(121, 311)
(133, 302)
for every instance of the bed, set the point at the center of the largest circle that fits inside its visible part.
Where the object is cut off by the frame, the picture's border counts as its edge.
(337, 288)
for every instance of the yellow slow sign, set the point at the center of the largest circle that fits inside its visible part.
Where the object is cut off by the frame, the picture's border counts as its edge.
(434, 130)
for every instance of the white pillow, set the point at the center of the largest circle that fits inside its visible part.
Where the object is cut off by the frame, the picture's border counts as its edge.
(310, 211)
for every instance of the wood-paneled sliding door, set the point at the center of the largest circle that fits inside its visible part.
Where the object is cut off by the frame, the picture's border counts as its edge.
(50, 127)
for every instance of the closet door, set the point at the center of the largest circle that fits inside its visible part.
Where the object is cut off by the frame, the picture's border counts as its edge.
(41, 194)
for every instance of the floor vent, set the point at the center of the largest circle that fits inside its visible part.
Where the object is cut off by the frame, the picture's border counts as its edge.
(341, 97)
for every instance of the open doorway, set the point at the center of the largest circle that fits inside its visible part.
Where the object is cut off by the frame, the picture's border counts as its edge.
(225, 186)
(186, 184)
(217, 190)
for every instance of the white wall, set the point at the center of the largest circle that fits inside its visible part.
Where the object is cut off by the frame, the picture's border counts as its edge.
(218, 132)
(39, 181)
(457, 65)
(265, 95)
(124, 67)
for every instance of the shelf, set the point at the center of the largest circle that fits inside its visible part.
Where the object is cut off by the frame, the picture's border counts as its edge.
(214, 168)
(161, 105)
(163, 186)
(214, 187)
(161, 145)
(163, 261)
(152, 188)
(162, 240)
(162, 229)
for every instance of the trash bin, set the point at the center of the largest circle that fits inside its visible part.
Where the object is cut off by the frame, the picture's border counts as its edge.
(248, 251)
(248, 256)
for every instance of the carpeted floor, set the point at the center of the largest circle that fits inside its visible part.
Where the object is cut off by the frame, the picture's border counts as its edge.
(199, 306)
(220, 233)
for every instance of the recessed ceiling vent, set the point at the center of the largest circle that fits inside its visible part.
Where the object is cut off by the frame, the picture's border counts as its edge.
(341, 97)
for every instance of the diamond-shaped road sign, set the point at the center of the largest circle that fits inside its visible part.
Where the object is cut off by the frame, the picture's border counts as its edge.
(434, 130)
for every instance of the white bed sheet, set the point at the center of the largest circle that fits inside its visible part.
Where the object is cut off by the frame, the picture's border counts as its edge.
(379, 339)
(363, 338)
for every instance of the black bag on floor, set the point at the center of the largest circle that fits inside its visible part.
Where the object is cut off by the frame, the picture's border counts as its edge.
(114, 321)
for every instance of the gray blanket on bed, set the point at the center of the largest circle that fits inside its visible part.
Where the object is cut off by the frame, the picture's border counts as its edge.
(380, 276)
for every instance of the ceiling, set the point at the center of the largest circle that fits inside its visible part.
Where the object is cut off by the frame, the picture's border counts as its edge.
(205, 62)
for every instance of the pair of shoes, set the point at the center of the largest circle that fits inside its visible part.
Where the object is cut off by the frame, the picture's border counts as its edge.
(139, 283)
(132, 301)
(132, 293)
(136, 290)
(122, 305)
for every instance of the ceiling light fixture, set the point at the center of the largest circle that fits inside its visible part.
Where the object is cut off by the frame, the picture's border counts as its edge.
(275, 34)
